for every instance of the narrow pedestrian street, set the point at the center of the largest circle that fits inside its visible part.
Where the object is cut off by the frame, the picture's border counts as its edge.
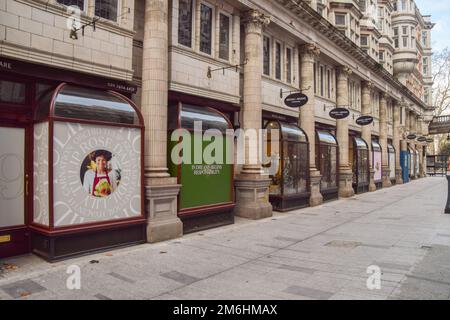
(314, 253)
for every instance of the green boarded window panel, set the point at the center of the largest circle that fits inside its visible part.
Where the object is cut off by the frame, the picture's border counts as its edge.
(203, 184)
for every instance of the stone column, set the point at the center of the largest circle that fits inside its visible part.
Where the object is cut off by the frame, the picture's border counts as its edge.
(345, 173)
(396, 141)
(307, 117)
(412, 142)
(366, 110)
(161, 190)
(383, 142)
(422, 159)
(252, 186)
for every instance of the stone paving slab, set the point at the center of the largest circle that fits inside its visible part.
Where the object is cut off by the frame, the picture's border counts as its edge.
(313, 253)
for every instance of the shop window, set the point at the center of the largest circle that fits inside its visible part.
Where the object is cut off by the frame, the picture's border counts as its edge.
(376, 161)
(207, 184)
(88, 162)
(391, 153)
(290, 165)
(224, 37)
(327, 163)
(77, 3)
(95, 105)
(266, 55)
(359, 160)
(12, 92)
(107, 9)
(185, 22)
(206, 13)
(278, 61)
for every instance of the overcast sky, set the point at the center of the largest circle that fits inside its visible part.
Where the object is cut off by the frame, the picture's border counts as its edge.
(440, 14)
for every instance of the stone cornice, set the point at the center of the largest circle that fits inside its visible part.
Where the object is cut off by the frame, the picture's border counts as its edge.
(312, 18)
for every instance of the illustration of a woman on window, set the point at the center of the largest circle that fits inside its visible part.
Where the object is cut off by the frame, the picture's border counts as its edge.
(99, 179)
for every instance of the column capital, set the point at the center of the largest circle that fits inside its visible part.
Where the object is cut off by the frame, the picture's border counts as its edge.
(384, 96)
(255, 18)
(344, 71)
(310, 49)
(367, 85)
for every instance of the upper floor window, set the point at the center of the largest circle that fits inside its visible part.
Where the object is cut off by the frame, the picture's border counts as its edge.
(364, 41)
(224, 37)
(266, 56)
(315, 77)
(288, 65)
(404, 4)
(278, 61)
(424, 38)
(339, 19)
(107, 9)
(206, 13)
(78, 3)
(185, 22)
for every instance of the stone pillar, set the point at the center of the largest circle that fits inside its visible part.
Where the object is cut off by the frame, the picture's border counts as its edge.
(366, 110)
(383, 142)
(412, 142)
(422, 161)
(396, 141)
(345, 173)
(161, 191)
(307, 117)
(252, 186)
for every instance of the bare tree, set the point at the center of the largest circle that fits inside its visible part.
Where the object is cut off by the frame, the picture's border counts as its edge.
(441, 88)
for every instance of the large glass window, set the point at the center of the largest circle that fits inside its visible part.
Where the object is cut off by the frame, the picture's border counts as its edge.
(107, 9)
(327, 159)
(224, 37)
(205, 28)
(12, 92)
(185, 22)
(266, 55)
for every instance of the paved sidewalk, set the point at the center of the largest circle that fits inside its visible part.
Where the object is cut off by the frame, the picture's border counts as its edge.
(314, 253)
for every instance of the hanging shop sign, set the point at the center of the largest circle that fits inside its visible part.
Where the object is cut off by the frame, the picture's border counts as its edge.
(421, 139)
(411, 137)
(339, 113)
(296, 100)
(364, 120)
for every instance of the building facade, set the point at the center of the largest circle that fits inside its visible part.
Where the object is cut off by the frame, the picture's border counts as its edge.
(230, 64)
